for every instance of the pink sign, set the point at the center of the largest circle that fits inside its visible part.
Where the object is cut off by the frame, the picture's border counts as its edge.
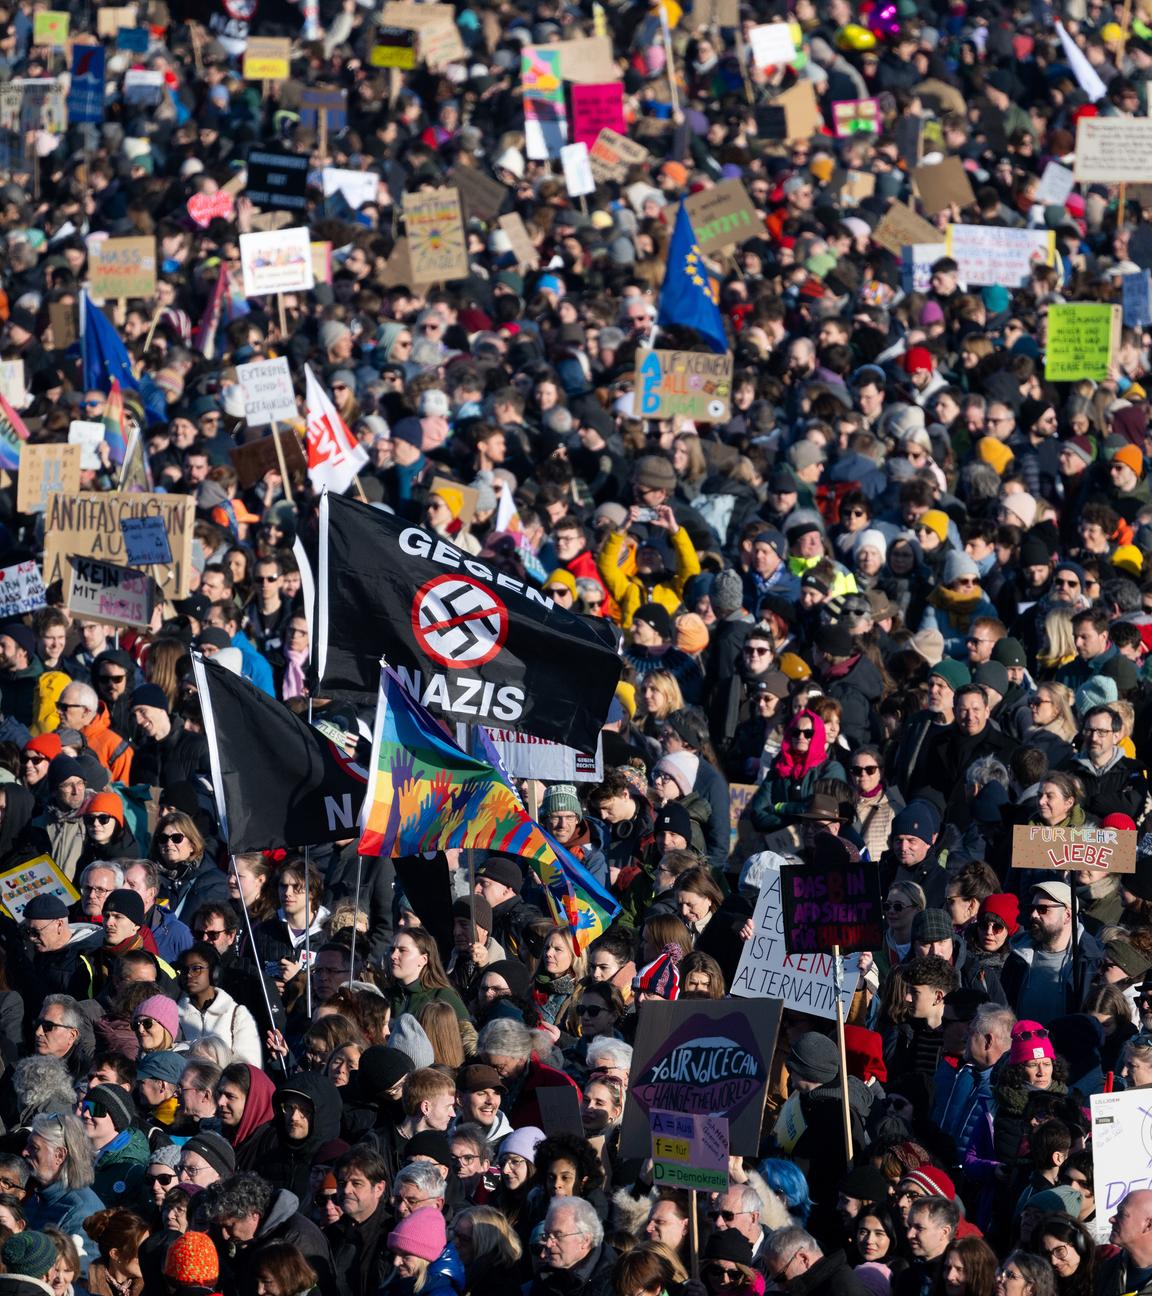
(204, 207)
(596, 108)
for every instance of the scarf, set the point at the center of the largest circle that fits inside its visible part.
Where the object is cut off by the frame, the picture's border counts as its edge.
(296, 659)
(961, 608)
(789, 764)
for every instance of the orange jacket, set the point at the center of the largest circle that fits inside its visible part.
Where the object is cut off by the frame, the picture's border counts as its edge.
(112, 751)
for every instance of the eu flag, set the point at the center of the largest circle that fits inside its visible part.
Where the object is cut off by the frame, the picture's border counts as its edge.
(686, 297)
(105, 356)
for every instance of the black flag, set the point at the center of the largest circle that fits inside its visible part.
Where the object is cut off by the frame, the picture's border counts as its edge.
(468, 642)
(278, 781)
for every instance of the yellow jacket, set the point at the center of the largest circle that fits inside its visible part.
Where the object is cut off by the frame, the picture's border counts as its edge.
(617, 564)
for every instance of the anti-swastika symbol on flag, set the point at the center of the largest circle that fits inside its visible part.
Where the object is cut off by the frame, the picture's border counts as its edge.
(458, 622)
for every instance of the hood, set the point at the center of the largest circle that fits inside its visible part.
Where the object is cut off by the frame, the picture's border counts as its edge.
(281, 1208)
(865, 678)
(81, 932)
(326, 1107)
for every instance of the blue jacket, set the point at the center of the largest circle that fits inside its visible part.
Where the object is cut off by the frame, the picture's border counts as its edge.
(255, 668)
(172, 936)
(67, 1209)
(963, 1095)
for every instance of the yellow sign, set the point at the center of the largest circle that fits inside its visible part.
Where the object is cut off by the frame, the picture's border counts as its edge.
(267, 58)
(50, 27)
(671, 1149)
(39, 876)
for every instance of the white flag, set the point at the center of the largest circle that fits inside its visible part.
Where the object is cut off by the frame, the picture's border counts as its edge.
(334, 454)
(1086, 75)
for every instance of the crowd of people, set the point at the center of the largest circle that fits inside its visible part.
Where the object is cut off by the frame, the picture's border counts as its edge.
(894, 605)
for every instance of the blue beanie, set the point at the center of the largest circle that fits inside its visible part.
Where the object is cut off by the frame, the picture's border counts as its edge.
(917, 819)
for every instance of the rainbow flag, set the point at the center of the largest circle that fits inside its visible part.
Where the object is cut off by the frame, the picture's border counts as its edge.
(426, 794)
(114, 423)
(13, 434)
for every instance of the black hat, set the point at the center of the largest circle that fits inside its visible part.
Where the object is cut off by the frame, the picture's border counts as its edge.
(514, 972)
(61, 769)
(503, 869)
(865, 1183)
(467, 906)
(195, 605)
(42, 908)
(835, 641)
(381, 1068)
(116, 1102)
(429, 1143)
(782, 480)
(992, 675)
(216, 1150)
(657, 617)
(689, 725)
(129, 904)
(674, 818)
(213, 637)
(729, 1245)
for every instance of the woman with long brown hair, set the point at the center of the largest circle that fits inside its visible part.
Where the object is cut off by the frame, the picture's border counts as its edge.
(416, 976)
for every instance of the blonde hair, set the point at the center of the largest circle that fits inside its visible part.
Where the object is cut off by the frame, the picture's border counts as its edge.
(1062, 697)
(669, 686)
(442, 1027)
(1059, 643)
(493, 1238)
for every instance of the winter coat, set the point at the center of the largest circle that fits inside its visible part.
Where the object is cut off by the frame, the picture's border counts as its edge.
(202, 884)
(953, 616)
(224, 1017)
(521, 1104)
(831, 1275)
(591, 1277)
(283, 1223)
(287, 1163)
(1119, 788)
(120, 1169)
(875, 815)
(963, 1095)
(66, 839)
(179, 758)
(67, 1209)
(858, 690)
(618, 573)
(414, 998)
(713, 787)
(359, 1251)
(819, 1152)
(779, 797)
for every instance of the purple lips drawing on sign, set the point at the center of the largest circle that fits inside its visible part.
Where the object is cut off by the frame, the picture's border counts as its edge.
(707, 1066)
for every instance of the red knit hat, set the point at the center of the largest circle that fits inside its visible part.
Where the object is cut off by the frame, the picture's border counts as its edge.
(1121, 821)
(46, 744)
(917, 357)
(934, 1182)
(661, 976)
(865, 1051)
(1005, 906)
(192, 1259)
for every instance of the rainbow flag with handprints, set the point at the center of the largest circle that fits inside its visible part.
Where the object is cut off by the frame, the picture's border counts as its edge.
(13, 434)
(426, 794)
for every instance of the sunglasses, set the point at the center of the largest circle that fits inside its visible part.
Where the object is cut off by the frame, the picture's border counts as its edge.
(589, 1010)
(111, 679)
(323, 1198)
(993, 923)
(174, 838)
(802, 733)
(726, 1215)
(1039, 1033)
(94, 1109)
(894, 906)
(857, 770)
(720, 1274)
(34, 758)
(143, 1024)
(163, 1179)
(99, 818)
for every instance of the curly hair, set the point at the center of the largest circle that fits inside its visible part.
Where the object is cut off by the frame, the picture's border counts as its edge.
(234, 1198)
(574, 1148)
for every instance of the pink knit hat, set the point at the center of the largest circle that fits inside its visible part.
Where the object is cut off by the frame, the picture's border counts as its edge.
(421, 1234)
(163, 1010)
(1030, 1042)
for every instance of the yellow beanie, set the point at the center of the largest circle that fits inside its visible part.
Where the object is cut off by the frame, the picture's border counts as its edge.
(626, 695)
(561, 576)
(452, 497)
(994, 453)
(796, 668)
(1128, 558)
(937, 520)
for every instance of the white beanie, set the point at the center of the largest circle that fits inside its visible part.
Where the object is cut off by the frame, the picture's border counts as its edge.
(871, 539)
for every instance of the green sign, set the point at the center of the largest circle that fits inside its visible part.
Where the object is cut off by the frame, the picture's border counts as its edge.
(1082, 341)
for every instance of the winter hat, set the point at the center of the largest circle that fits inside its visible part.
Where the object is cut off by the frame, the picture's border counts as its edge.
(130, 905)
(957, 565)
(930, 645)
(932, 925)
(994, 453)
(836, 640)
(1127, 958)
(331, 332)
(917, 819)
(1021, 505)
(192, 1259)
(673, 818)
(523, 1142)
(30, 1254)
(514, 972)
(1030, 1042)
(476, 909)
(814, 1057)
(657, 617)
(412, 1040)
(164, 1065)
(691, 634)
(654, 472)
(934, 1182)
(727, 594)
(1009, 652)
(561, 798)
(1080, 446)
(1130, 456)
(1097, 691)
(661, 976)
(916, 358)
(729, 1244)
(955, 674)
(1061, 1200)
(151, 695)
(805, 454)
(382, 1067)
(21, 635)
(61, 769)
(116, 1102)
(502, 869)
(870, 538)
(169, 1156)
(865, 1049)
(420, 1234)
(1002, 905)
(162, 1009)
(216, 1150)
(561, 576)
(865, 1183)
(429, 1143)
(682, 766)
(992, 675)
(936, 521)
(47, 745)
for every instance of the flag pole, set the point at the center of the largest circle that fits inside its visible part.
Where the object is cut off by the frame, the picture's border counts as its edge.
(259, 968)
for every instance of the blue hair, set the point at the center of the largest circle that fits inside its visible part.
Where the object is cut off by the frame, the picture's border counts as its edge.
(787, 1182)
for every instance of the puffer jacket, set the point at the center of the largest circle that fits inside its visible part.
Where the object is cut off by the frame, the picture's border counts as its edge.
(224, 1017)
(120, 1169)
(618, 572)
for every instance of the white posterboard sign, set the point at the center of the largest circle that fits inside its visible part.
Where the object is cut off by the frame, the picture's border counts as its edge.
(577, 170)
(1112, 150)
(772, 45)
(1121, 1151)
(525, 756)
(1055, 185)
(105, 592)
(277, 261)
(268, 391)
(358, 187)
(990, 254)
(87, 434)
(21, 589)
(804, 982)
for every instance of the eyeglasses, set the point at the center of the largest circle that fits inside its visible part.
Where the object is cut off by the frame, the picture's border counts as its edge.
(589, 1010)
(100, 819)
(559, 1237)
(802, 733)
(174, 838)
(1035, 703)
(143, 1024)
(411, 1202)
(189, 968)
(165, 1180)
(34, 758)
(465, 1158)
(43, 1024)
(857, 770)
(1040, 1032)
(857, 512)
(1097, 731)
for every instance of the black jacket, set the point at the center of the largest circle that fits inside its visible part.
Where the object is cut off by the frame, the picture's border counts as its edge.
(592, 1277)
(858, 692)
(1120, 789)
(360, 1252)
(179, 758)
(950, 752)
(288, 1163)
(283, 1223)
(831, 1275)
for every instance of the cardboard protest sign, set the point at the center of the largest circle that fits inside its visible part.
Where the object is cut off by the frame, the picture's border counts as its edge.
(398, 268)
(62, 318)
(254, 459)
(524, 755)
(612, 154)
(1112, 150)
(277, 180)
(110, 21)
(719, 13)
(802, 114)
(943, 185)
(267, 58)
(21, 589)
(331, 102)
(596, 108)
(436, 246)
(268, 392)
(801, 981)
(1055, 185)
(45, 468)
(39, 876)
(542, 86)
(1136, 290)
(107, 592)
(857, 117)
(1111, 850)
(393, 47)
(858, 185)
(722, 216)
(701, 1057)
(587, 60)
(524, 250)
(122, 267)
(916, 262)
(772, 45)
(482, 196)
(1121, 1146)
(833, 903)
(1082, 341)
(145, 541)
(990, 254)
(463, 498)
(50, 27)
(276, 261)
(902, 226)
(577, 170)
(87, 435)
(439, 38)
(358, 187)
(689, 1151)
(88, 524)
(685, 384)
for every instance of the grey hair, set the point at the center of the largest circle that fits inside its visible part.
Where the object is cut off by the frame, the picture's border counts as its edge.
(787, 1241)
(978, 481)
(72, 1016)
(605, 1051)
(425, 1178)
(111, 866)
(993, 1019)
(83, 695)
(151, 871)
(202, 1074)
(507, 1038)
(211, 1048)
(63, 1130)
(42, 1084)
(985, 770)
(472, 1134)
(584, 1217)
(235, 1198)
(16, 1166)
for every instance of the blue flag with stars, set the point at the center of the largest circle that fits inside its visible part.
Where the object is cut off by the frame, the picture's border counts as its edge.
(686, 297)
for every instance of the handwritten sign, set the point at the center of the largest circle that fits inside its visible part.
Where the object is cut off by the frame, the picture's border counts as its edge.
(722, 216)
(268, 392)
(612, 154)
(1112, 150)
(436, 248)
(276, 261)
(801, 981)
(1121, 1138)
(942, 185)
(204, 208)
(87, 434)
(831, 903)
(12, 385)
(118, 595)
(991, 254)
(254, 459)
(689, 1151)
(122, 267)
(685, 384)
(395, 47)
(1082, 341)
(596, 108)
(50, 27)
(39, 876)
(523, 249)
(145, 541)
(772, 44)
(1111, 850)
(21, 589)
(267, 58)
(1055, 185)
(902, 226)
(45, 468)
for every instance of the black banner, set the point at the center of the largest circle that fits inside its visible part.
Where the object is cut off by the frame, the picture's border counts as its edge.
(470, 643)
(277, 180)
(278, 781)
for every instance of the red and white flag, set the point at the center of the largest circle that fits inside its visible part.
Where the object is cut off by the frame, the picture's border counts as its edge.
(334, 454)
